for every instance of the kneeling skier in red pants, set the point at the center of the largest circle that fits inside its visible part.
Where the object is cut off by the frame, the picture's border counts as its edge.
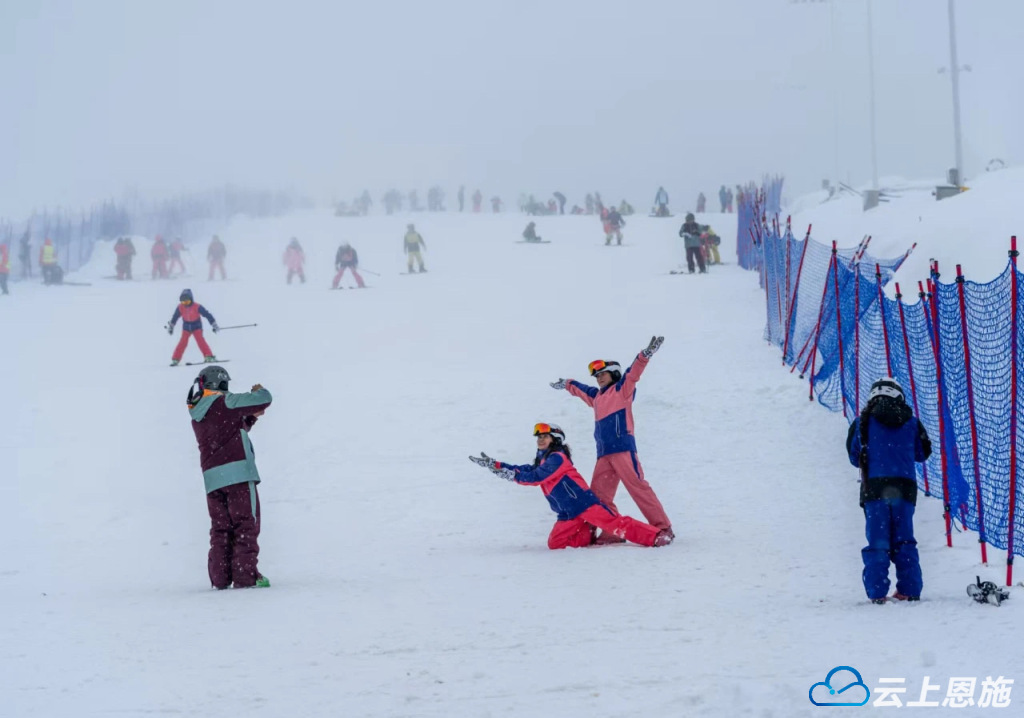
(191, 315)
(580, 512)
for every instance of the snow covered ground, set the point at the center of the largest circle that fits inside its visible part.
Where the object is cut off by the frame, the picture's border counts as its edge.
(407, 581)
(972, 229)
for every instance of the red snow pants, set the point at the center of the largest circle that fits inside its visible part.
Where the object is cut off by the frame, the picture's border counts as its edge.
(234, 533)
(579, 532)
(337, 277)
(625, 467)
(179, 351)
(160, 267)
(217, 264)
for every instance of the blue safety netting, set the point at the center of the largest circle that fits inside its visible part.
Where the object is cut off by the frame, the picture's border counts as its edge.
(834, 322)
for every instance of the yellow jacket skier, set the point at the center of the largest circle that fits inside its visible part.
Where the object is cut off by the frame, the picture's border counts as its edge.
(413, 243)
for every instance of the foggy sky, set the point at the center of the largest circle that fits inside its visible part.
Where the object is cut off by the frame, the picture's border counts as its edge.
(333, 96)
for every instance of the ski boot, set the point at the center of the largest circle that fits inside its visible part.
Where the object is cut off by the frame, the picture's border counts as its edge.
(902, 597)
(210, 359)
(879, 601)
(174, 362)
(664, 537)
(262, 582)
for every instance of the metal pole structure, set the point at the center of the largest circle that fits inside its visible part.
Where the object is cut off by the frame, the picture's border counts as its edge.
(835, 91)
(910, 374)
(871, 77)
(839, 329)
(885, 328)
(931, 320)
(954, 71)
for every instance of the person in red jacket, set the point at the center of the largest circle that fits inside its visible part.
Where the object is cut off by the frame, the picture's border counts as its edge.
(191, 315)
(5, 268)
(215, 254)
(124, 250)
(177, 247)
(159, 256)
(580, 512)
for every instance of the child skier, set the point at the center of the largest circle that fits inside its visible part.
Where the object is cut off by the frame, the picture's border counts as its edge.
(347, 258)
(294, 259)
(215, 254)
(617, 458)
(191, 325)
(613, 226)
(580, 512)
(884, 442)
(412, 244)
(222, 422)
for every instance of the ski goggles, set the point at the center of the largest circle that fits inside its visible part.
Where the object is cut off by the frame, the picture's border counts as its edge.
(599, 365)
(553, 429)
(186, 302)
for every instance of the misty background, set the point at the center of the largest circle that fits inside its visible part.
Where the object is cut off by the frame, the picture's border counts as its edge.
(329, 98)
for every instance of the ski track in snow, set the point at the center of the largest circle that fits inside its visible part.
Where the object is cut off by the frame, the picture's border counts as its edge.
(407, 581)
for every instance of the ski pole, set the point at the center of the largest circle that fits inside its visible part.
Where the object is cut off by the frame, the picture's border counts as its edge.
(237, 326)
(370, 271)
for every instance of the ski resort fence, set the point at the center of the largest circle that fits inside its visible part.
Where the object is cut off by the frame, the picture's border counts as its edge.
(74, 234)
(953, 346)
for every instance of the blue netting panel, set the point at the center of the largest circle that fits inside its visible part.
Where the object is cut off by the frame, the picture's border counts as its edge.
(1018, 518)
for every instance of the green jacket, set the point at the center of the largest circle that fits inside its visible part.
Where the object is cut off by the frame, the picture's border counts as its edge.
(221, 422)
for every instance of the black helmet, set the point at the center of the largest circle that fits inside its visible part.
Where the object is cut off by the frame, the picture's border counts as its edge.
(186, 294)
(213, 377)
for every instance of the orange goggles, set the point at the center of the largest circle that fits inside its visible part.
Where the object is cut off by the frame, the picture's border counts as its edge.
(553, 429)
(186, 301)
(599, 365)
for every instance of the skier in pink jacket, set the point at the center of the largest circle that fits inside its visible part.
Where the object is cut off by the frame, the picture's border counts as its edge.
(617, 460)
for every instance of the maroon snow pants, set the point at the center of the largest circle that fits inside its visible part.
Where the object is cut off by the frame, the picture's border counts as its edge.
(234, 530)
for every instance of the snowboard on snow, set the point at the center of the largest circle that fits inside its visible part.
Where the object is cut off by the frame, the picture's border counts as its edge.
(543, 241)
(202, 363)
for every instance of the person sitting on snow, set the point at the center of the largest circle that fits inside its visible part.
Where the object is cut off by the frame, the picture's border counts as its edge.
(580, 512)
(530, 233)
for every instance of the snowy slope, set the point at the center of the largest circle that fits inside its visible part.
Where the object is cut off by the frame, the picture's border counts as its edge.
(406, 581)
(972, 229)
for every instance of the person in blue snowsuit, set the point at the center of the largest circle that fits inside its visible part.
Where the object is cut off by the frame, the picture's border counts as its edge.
(885, 442)
(661, 203)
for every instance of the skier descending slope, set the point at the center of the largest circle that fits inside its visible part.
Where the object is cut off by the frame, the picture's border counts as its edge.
(412, 245)
(222, 422)
(617, 459)
(580, 512)
(191, 325)
(885, 441)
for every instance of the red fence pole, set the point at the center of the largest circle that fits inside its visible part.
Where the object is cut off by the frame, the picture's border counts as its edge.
(932, 319)
(839, 328)
(796, 287)
(1013, 413)
(885, 329)
(970, 409)
(817, 330)
(910, 373)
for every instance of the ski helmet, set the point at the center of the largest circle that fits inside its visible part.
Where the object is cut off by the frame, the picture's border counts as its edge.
(601, 365)
(186, 295)
(214, 377)
(690, 217)
(553, 430)
(886, 386)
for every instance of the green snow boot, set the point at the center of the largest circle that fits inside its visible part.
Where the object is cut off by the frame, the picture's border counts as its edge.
(210, 359)
(174, 362)
(262, 582)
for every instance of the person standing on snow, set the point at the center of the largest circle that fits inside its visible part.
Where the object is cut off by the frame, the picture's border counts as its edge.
(613, 226)
(5, 268)
(412, 244)
(176, 248)
(124, 250)
(294, 259)
(462, 197)
(580, 511)
(221, 422)
(48, 262)
(690, 232)
(477, 200)
(346, 258)
(191, 315)
(702, 202)
(661, 203)
(215, 255)
(617, 458)
(885, 442)
(496, 204)
(158, 253)
(25, 254)
(561, 202)
(723, 198)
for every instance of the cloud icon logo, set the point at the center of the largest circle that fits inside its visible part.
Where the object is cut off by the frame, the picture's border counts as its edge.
(843, 686)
